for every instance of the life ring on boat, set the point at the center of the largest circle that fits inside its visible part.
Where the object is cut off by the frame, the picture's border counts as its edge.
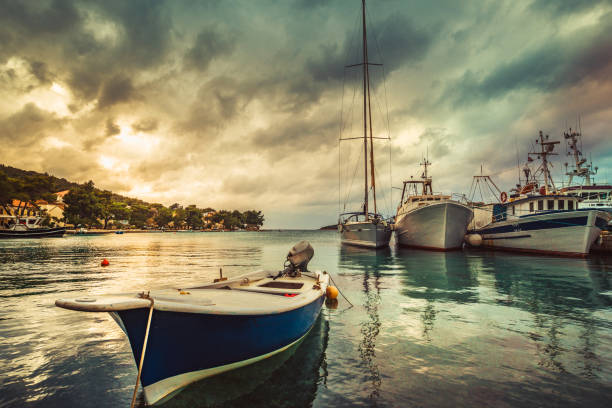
(503, 197)
(542, 190)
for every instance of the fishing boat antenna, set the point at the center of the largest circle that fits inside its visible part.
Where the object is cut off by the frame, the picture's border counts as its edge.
(580, 167)
(546, 149)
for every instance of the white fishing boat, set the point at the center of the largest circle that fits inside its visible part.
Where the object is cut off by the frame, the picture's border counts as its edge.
(538, 219)
(181, 335)
(427, 220)
(365, 228)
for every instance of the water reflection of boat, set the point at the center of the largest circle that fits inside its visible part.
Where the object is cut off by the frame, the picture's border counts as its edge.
(372, 265)
(565, 293)
(276, 381)
(448, 278)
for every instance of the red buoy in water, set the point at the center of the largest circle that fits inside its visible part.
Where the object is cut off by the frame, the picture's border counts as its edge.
(105, 262)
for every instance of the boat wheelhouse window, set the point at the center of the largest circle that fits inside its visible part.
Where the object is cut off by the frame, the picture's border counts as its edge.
(531, 206)
(513, 210)
(570, 205)
(561, 205)
(603, 196)
(540, 205)
(550, 204)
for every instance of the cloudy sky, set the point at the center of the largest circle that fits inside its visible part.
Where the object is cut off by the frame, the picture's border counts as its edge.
(238, 104)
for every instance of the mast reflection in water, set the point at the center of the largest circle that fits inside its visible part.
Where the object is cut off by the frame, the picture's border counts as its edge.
(465, 328)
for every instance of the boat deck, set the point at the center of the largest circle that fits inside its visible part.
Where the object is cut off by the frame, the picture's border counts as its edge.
(252, 294)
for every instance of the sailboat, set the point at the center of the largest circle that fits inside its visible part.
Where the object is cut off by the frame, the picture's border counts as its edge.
(365, 228)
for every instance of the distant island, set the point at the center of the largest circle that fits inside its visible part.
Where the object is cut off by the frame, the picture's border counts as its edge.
(63, 203)
(329, 227)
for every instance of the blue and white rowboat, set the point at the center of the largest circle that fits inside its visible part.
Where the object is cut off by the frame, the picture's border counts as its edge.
(206, 330)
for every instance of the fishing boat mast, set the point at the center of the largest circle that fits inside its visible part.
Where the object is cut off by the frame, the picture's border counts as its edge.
(578, 170)
(426, 180)
(546, 149)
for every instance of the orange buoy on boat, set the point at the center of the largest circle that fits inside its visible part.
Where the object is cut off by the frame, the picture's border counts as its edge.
(105, 262)
(331, 292)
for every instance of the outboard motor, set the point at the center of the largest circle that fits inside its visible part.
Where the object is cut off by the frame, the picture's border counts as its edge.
(297, 259)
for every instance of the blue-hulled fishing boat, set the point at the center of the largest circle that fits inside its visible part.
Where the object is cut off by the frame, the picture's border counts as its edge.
(537, 219)
(192, 333)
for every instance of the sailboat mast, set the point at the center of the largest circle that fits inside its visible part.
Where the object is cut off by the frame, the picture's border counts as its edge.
(372, 175)
(365, 121)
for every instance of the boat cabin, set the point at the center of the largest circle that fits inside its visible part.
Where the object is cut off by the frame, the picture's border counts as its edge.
(350, 217)
(593, 196)
(534, 204)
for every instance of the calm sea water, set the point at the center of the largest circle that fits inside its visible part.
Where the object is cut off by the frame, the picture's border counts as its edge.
(452, 329)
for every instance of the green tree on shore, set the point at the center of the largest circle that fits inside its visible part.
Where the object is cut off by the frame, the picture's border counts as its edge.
(139, 215)
(120, 211)
(83, 205)
(193, 217)
(7, 190)
(254, 218)
(163, 217)
(106, 205)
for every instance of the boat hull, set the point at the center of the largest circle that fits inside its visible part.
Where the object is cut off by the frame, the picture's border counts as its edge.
(366, 234)
(33, 233)
(438, 226)
(567, 233)
(186, 347)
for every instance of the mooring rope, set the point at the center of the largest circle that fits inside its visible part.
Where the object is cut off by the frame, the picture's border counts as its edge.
(144, 346)
(338, 287)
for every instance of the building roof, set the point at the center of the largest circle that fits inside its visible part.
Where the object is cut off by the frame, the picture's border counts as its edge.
(62, 193)
(19, 203)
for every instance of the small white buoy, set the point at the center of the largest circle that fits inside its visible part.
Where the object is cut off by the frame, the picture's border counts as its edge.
(474, 240)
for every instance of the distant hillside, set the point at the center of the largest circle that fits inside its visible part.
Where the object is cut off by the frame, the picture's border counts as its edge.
(59, 184)
(329, 227)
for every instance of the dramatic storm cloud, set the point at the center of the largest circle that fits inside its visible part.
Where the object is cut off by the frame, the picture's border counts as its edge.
(240, 104)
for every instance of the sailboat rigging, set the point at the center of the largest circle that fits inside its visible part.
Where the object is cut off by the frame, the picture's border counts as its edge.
(365, 229)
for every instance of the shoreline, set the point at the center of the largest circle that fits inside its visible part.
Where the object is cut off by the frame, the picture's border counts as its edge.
(96, 231)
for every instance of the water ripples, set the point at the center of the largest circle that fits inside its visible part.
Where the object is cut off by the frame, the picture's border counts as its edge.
(427, 329)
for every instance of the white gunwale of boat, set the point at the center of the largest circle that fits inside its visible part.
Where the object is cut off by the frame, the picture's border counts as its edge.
(245, 296)
(427, 204)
